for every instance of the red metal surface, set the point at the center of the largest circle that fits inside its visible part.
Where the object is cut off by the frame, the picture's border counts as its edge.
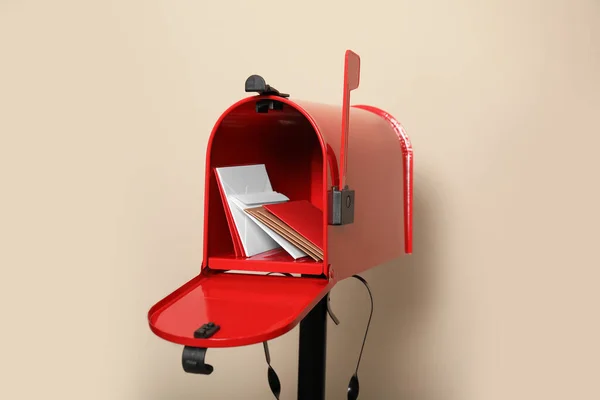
(302, 217)
(293, 144)
(333, 167)
(276, 260)
(249, 308)
(407, 158)
(351, 82)
(376, 171)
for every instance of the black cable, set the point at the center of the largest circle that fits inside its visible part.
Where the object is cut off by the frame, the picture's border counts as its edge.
(353, 386)
(272, 377)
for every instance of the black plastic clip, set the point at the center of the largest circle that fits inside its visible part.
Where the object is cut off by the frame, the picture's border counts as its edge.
(341, 206)
(192, 360)
(256, 83)
(263, 106)
(206, 330)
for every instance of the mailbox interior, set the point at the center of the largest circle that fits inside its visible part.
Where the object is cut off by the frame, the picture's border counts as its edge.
(286, 142)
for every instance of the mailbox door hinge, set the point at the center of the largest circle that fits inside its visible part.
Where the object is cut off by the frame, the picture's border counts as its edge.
(341, 206)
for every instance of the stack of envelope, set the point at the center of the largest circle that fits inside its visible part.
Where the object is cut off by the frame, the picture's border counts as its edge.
(247, 189)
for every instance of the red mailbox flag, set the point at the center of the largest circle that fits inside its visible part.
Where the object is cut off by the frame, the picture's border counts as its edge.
(351, 82)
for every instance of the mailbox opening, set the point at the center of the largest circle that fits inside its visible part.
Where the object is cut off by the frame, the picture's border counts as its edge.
(285, 141)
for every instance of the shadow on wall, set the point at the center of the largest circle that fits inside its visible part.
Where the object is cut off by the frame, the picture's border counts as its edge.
(398, 360)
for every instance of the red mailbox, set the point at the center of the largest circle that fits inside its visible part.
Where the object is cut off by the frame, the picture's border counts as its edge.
(352, 163)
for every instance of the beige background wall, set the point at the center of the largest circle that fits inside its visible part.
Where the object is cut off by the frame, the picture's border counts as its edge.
(105, 109)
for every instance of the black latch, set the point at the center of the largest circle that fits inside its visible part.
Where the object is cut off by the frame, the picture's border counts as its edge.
(192, 360)
(263, 106)
(256, 83)
(341, 206)
(206, 330)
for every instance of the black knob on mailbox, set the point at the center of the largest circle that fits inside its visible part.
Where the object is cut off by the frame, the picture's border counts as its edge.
(256, 83)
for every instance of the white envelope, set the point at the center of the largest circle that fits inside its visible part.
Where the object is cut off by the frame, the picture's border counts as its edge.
(252, 181)
(291, 249)
(258, 199)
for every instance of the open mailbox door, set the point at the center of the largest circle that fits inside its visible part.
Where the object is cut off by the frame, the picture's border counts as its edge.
(248, 309)
(351, 164)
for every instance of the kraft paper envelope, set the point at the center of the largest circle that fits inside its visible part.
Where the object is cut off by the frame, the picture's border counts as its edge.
(292, 250)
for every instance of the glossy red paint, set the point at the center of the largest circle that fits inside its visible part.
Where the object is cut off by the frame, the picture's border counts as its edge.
(300, 146)
(407, 159)
(351, 82)
(275, 260)
(249, 308)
